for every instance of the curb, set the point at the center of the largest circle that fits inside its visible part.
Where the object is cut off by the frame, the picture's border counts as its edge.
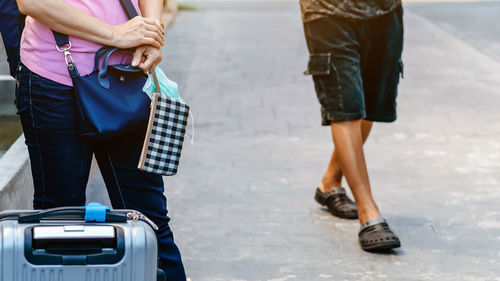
(7, 89)
(16, 183)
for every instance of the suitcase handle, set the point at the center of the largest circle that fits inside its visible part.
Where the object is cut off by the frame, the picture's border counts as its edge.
(68, 213)
(74, 249)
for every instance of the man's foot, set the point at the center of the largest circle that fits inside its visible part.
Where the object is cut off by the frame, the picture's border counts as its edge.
(337, 203)
(376, 236)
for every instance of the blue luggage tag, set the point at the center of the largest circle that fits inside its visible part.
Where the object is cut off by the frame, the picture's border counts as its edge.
(95, 212)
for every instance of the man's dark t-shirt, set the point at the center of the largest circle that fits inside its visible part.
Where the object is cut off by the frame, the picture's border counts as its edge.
(349, 9)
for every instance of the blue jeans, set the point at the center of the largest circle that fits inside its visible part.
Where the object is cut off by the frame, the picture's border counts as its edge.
(60, 162)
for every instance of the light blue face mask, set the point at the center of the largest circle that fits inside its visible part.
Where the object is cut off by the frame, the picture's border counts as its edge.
(167, 87)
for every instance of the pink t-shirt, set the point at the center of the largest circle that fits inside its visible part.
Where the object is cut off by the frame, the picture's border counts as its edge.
(38, 46)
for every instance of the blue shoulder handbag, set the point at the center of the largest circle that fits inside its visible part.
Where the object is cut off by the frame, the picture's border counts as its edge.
(110, 100)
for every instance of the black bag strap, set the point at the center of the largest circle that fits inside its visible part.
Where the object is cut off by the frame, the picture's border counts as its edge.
(63, 40)
(129, 9)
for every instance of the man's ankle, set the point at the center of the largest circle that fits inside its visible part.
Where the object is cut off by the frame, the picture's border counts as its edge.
(367, 212)
(366, 215)
(328, 187)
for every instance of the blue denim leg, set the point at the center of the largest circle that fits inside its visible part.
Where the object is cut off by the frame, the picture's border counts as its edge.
(138, 190)
(60, 160)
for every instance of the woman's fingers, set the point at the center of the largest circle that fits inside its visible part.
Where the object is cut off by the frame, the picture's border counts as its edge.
(138, 31)
(154, 22)
(153, 25)
(151, 28)
(151, 58)
(151, 42)
(158, 31)
(147, 64)
(137, 58)
(155, 36)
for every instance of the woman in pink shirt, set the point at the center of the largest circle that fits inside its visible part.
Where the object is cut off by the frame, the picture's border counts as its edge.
(60, 158)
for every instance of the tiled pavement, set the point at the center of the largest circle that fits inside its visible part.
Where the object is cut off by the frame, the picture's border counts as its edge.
(241, 205)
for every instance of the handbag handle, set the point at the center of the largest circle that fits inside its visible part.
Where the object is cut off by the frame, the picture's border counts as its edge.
(98, 56)
(103, 73)
(155, 80)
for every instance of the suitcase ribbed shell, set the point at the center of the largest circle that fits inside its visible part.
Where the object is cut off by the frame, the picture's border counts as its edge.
(138, 264)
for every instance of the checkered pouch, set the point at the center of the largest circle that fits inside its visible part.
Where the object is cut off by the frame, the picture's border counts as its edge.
(165, 135)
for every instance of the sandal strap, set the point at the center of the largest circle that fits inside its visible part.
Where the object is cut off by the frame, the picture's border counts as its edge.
(372, 222)
(336, 190)
(339, 200)
(337, 197)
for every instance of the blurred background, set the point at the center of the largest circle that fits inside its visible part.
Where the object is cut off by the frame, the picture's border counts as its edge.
(242, 204)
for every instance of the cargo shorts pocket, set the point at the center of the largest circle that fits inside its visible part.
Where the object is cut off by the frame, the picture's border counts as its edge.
(323, 70)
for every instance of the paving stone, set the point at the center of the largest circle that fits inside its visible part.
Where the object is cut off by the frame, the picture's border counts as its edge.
(242, 204)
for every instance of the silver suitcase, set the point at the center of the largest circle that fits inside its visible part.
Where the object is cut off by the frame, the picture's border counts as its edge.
(60, 245)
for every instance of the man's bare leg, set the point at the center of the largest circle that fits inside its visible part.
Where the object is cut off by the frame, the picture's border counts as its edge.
(333, 175)
(348, 140)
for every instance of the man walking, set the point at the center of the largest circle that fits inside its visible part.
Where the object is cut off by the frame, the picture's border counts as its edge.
(355, 60)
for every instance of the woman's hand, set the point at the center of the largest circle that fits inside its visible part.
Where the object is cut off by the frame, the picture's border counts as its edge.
(146, 57)
(138, 31)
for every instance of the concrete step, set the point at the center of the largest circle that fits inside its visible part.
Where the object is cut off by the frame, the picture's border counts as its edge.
(7, 95)
(16, 183)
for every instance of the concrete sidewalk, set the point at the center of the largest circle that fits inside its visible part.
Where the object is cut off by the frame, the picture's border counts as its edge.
(242, 204)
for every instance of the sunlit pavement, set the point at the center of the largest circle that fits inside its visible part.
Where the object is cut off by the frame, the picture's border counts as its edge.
(242, 204)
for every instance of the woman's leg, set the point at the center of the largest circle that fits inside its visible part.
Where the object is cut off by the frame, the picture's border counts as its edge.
(60, 160)
(133, 189)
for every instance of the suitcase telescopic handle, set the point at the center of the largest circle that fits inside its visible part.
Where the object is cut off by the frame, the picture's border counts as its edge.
(74, 244)
(67, 213)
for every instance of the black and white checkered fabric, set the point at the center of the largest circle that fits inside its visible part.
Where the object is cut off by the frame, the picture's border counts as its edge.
(167, 136)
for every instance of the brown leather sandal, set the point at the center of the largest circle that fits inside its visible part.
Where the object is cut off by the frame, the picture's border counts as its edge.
(338, 203)
(376, 236)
